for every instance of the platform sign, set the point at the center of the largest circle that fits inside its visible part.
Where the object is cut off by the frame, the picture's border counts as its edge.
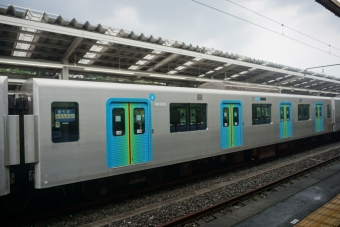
(65, 115)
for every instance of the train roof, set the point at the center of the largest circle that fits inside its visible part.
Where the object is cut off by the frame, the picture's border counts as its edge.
(141, 87)
(43, 45)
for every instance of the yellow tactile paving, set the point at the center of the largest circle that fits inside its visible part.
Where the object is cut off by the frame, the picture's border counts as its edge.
(327, 215)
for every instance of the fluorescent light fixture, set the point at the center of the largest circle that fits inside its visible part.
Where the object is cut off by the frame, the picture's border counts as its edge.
(218, 68)
(244, 72)
(197, 59)
(271, 81)
(180, 67)
(211, 71)
(141, 62)
(236, 75)
(252, 69)
(156, 52)
(188, 63)
(149, 57)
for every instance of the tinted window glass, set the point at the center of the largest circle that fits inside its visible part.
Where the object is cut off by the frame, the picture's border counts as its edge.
(261, 114)
(288, 113)
(281, 114)
(320, 112)
(235, 116)
(303, 112)
(118, 118)
(225, 116)
(316, 112)
(139, 120)
(65, 122)
(185, 117)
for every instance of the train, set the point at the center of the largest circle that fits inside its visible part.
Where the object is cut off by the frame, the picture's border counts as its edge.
(63, 132)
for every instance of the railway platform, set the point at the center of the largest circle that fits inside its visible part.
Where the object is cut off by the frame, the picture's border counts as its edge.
(313, 201)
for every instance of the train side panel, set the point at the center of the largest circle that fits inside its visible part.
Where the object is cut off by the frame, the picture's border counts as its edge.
(81, 153)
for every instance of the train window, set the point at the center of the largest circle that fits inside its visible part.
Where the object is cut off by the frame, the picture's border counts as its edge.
(281, 114)
(235, 116)
(138, 119)
(225, 116)
(188, 117)
(303, 112)
(118, 118)
(261, 114)
(288, 113)
(328, 111)
(65, 122)
(316, 112)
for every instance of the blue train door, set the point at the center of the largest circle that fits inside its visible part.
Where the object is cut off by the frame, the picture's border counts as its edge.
(319, 120)
(128, 133)
(286, 121)
(231, 125)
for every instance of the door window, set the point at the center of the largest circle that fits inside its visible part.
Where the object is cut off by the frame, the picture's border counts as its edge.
(118, 118)
(235, 116)
(139, 120)
(288, 113)
(225, 116)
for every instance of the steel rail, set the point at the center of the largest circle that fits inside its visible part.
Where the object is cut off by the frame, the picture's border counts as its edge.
(199, 214)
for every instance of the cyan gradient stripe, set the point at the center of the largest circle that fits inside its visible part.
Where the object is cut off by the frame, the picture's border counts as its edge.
(286, 127)
(232, 135)
(139, 142)
(236, 129)
(319, 121)
(118, 151)
(118, 154)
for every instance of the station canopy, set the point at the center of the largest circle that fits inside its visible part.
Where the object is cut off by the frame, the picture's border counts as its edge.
(44, 45)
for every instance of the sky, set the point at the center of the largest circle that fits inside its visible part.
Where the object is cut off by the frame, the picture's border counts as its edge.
(192, 23)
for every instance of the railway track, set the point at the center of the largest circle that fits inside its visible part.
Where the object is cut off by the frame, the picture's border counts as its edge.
(224, 206)
(86, 205)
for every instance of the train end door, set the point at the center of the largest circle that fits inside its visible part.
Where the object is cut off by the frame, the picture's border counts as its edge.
(286, 120)
(231, 124)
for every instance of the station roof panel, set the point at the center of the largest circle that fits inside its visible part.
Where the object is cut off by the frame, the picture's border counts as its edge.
(47, 42)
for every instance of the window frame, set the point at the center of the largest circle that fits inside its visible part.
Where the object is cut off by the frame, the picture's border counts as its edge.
(264, 107)
(303, 108)
(114, 121)
(200, 114)
(65, 124)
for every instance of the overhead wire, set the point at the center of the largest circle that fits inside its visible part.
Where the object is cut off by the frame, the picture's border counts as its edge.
(268, 29)
(301, 33)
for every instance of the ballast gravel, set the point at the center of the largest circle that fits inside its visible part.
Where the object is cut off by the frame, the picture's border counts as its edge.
(178, 209)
